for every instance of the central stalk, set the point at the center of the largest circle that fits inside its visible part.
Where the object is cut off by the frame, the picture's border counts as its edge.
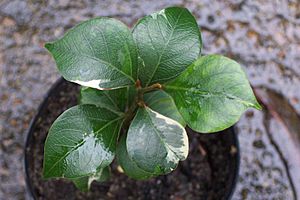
(139, 99)
(141, 91)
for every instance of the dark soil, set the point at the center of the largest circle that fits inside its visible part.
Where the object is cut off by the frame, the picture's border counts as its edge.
(208, 173)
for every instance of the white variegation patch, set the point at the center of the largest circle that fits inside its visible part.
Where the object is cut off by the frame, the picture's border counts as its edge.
(161, 122)
(162, 12)
(93, 83)
(155, 142)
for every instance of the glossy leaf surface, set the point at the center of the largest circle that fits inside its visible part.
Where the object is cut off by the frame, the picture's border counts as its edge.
(98, 53)
(113, 100)
(168, 42)
(163, 103)
(156, 143)
(81, 141)
(212, 93)
(129, 166)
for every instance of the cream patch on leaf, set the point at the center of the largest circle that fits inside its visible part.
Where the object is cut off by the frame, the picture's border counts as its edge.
(93, 83)
(184, 148)
(162, 12)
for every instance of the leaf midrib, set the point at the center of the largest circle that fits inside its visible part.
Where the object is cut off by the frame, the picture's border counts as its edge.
(205, 93)
(79, 144)
(112, 101)
(158, 134)
(167, 43)
(64, 156)
(79, 54)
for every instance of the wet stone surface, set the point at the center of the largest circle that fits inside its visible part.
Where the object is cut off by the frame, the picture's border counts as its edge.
(262, 35)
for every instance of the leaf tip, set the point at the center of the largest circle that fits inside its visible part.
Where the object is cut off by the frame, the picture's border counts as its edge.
(258, 106)
(84, 189)
(45, 175)
(49, 46)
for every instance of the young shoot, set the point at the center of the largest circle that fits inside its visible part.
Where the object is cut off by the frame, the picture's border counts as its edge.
(140, 89)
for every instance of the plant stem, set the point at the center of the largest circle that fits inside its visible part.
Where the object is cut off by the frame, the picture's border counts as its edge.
(130, 114)
(150, 88)
(139, 100)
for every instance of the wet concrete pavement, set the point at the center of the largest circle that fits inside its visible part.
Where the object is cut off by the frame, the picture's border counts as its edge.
(262, 35)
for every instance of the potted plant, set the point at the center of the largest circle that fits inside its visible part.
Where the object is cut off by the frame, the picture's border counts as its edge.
(140, 89)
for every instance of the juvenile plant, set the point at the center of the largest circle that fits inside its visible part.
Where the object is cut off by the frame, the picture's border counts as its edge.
(140, 88)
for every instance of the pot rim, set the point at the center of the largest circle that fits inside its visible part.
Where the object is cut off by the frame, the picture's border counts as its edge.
(41, 107)
(29, 132)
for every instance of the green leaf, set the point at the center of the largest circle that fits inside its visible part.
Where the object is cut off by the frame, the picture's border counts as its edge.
(156, 143)
(113, 100)
(168, 42)
(98, 53)
(128, 165)
(212, 94)
(84, 183)
(163, 103)
(81, 141)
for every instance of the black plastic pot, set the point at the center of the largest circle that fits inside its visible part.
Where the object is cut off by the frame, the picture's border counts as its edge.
(229, 137)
